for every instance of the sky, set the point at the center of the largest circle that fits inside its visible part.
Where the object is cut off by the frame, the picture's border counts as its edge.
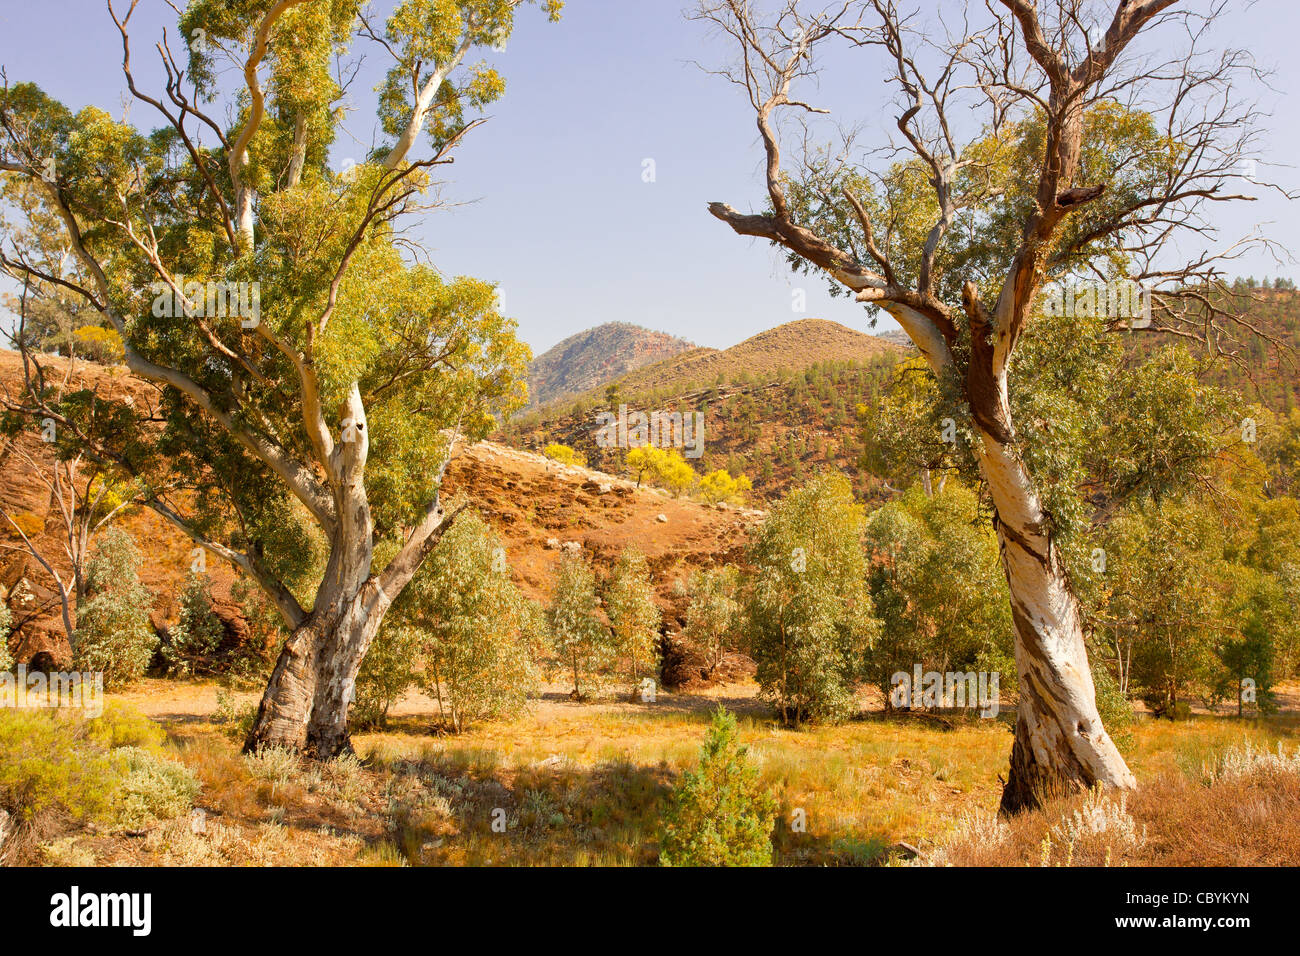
(552, 195)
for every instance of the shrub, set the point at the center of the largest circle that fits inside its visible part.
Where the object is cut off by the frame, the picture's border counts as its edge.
(114, 635)
(151, 788)
(938, 587)
(633, 614)
(30, 524)
(1249, 658)
(47, 765)
(719, 486)
(99, 344)
(122, 726)
(713, 618)
(1113, 707)
(236, 718)
(192, 642)
(111, 769)
(477, 630)
(719, 815)
(809, 612)
(580, 639)
(663, 467)
(563, 454)
(386, 674)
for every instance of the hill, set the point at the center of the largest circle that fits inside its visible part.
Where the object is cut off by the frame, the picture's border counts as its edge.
(793, 346)
(591, 358)
(778, 407)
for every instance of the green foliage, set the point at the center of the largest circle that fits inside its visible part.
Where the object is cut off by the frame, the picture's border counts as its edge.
(1251, 657)
(1123, 148)
(123, 726)
(714, 617)
(1279, 450)
(352, 333)
(478, 633)
(114, 634)
(905, 432)
(427, 33)
(633, 615)
(151, 787)
(938, 587)
(46, 764)
(387, 672)
(582, 642)
(98, 344)
(109, 770)
(719, 814)
(235, 718)
(1163, 610)
(191, 644)
(1113, 705)
(809, 612)
(1093, 423)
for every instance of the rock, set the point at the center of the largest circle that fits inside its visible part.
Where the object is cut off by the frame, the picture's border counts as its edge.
(571, 547)
(553, 544)
(662, 519)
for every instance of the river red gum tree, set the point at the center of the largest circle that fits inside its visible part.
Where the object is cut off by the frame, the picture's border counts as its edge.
(1085, 156)
(302, 435)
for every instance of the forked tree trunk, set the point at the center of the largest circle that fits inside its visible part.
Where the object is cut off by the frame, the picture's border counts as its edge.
(305, 706)
(1060, 744)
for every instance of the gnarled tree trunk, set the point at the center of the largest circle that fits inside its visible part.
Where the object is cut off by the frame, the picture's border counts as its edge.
(1060, 744)
(305, 706)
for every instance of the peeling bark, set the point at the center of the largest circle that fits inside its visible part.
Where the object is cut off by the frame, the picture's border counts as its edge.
(1060, 744)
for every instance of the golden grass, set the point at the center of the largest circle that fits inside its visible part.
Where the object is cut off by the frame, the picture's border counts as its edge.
(575, 784)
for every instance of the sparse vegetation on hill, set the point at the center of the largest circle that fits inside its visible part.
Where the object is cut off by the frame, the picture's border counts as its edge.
(793, 346)
(777, 432)
(1264, 368)
(594, 357)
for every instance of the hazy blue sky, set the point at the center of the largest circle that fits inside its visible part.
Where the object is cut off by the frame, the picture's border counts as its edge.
(557, 210)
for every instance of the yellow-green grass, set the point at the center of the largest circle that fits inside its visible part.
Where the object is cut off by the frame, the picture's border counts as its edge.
(574, 784)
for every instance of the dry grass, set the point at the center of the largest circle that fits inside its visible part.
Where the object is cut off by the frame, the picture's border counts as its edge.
(1244, 810)
(573, 784)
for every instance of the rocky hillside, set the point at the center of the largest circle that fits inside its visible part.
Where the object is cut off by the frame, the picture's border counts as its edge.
(591, 358)
(539, 508)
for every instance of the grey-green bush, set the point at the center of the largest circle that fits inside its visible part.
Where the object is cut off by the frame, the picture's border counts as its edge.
(113, 634)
